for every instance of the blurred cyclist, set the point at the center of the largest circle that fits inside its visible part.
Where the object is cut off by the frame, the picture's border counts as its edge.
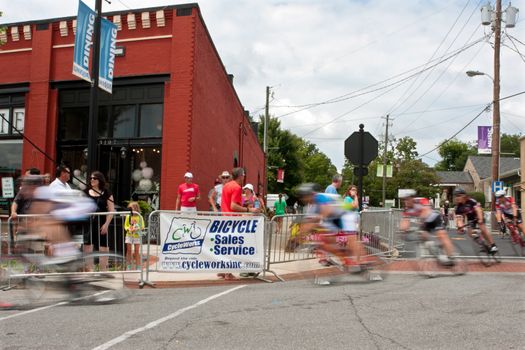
(58, 208)
(506, 208)
(470, 209)
(429, 221)
(325, 211)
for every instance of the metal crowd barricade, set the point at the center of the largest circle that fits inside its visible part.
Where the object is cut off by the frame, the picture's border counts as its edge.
(283, 237)
(154, 244)
(13, 232)
(378, 227)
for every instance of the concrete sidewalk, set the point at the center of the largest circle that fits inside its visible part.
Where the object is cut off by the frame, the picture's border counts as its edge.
(296, 270)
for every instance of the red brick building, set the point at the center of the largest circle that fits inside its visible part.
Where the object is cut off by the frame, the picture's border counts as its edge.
(173, 108)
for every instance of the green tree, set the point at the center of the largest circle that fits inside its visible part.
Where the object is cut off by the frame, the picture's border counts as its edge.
(510, 145)
(318, 167)
(454, 154)
(301, 160)
(408, 172)
(2, 30)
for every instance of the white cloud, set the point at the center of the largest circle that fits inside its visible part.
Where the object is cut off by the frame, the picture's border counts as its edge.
(314, 50)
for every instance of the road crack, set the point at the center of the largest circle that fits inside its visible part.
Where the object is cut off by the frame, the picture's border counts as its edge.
(365, 327)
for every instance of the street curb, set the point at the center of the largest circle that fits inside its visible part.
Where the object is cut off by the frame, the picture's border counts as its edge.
(506, 268)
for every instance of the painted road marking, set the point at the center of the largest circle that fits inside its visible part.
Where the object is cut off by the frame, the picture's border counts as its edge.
(50, 306)
(155, 323)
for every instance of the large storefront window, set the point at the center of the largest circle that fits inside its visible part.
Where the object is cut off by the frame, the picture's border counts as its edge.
(12, 122)
(129, 131)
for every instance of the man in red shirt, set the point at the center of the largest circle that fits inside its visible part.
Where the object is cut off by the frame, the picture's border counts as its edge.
(231, 200)
(187, 195)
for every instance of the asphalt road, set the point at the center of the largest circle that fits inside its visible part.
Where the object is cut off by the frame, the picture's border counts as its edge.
(476, 311)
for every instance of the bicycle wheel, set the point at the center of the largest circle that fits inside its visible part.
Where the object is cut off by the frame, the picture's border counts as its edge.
(102, 286)
(517, 243)
(427, 264)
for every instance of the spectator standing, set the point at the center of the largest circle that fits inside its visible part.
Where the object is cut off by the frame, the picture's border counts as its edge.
(215, 196)
(280, 209)
(248, 197)
(97, 236)
(231, 201)
(134, 224)
(337, 180)
(188, 195)
(212, 196)
(63, 175)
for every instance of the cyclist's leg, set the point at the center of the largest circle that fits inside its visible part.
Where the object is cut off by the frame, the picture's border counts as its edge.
(448, 247)
(486, 235)
(355, 246)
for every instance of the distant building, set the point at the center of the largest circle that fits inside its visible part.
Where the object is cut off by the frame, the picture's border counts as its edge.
(173, 108)
(476, 177)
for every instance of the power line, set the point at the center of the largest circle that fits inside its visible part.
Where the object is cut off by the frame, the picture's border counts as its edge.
(470, 122)
(397, 104)
(515, 47)
(445, 89)
(457, 133)
(445, 69)
(376, 97)
(352, 94)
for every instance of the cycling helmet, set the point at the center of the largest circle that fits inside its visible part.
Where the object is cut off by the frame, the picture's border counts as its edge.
(403, 194)
(459, 192)
(500, 193)
(307, 189)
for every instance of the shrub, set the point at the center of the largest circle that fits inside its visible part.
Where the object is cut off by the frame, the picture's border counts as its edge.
(478, 196)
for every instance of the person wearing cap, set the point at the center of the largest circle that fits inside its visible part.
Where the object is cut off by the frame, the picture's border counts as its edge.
(215, 196)
(188, 195)
(248, 196)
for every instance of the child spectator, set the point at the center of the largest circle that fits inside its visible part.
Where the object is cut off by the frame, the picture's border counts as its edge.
(134, 224)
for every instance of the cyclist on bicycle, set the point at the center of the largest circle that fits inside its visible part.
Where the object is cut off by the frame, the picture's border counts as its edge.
(506, 208)
(58, 208)
(429, 220)
(470, 209)
(326, 213)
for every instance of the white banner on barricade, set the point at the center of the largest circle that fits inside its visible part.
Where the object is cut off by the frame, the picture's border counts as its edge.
(211, 243)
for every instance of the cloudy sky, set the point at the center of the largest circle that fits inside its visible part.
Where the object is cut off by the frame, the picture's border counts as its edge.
(333, 64)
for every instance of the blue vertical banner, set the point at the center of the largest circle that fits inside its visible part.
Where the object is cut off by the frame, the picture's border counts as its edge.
(83, 41)
(108, 45)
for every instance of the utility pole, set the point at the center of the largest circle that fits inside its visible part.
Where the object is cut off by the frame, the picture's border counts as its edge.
(495, 109)
(93, 98)
(265, 140)
(384, 159)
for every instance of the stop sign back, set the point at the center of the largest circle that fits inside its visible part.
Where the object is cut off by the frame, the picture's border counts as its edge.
(361, 147)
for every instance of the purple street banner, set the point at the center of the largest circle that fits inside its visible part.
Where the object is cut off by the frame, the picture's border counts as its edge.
(484, 139)
(83, 41)
(108, 45)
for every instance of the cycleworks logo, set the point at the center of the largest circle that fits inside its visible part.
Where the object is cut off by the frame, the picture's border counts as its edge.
(185, 236)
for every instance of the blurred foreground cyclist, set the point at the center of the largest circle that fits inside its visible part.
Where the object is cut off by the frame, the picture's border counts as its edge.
(56, 209)
(325, 215)
(429, 221)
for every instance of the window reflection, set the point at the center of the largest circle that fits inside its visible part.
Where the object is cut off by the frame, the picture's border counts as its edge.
(124, 121)
(151, 120)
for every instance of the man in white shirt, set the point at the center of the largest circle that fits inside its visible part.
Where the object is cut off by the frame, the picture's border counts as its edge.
(62, 177)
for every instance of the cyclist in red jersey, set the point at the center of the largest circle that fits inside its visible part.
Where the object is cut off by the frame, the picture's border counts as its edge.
(506, 207)
(430, 221)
